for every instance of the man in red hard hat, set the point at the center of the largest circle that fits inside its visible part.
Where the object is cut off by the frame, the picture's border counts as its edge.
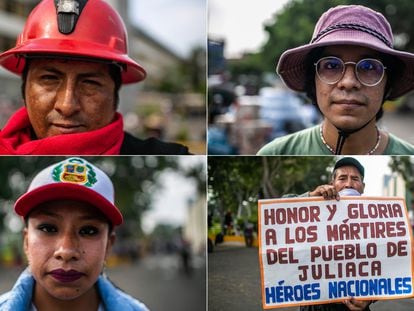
(72, 56)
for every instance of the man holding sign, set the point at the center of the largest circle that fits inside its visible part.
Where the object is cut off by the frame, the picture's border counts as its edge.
(337, 250)
(348, 179)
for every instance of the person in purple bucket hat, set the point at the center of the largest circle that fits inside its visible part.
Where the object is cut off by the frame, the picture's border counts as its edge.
(349, 69)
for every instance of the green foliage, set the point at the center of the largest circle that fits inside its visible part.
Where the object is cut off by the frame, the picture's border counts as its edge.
(232, 178)
(190, 76)
(404, 166)
(164, 232)
(148, 109)
(135, 181)
(250, 64)
(399, 14)
(182, 134)
(294, 24)
(196, 69)
(236, 181)
(198, 174)
(173, 81)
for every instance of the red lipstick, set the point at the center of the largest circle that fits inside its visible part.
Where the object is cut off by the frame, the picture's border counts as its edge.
(66, 276)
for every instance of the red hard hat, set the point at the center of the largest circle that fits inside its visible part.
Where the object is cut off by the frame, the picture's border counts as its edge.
(97, 33)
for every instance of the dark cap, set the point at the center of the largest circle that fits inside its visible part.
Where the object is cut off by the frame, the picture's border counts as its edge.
(348, 161)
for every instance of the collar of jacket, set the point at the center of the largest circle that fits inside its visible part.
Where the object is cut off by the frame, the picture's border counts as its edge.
(20, 297)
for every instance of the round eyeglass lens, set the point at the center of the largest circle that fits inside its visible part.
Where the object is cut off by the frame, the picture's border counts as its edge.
(330, 69)
(370, 71)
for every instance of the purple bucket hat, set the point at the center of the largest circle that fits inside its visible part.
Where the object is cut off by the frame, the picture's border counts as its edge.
(348, 25)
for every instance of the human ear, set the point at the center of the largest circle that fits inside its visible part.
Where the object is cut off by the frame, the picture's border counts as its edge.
(25, 242)
(110, 243)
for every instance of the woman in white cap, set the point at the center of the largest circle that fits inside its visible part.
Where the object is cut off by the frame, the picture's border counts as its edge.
(349, 69)
(69, 216)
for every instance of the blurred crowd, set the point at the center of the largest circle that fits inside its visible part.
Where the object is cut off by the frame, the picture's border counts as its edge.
(243, 118)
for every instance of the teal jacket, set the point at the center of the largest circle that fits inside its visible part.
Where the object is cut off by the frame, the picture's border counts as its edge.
(20, 297)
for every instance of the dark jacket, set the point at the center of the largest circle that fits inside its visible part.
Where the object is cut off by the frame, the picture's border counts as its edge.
(151, 146)
(325, 307)
(328, 307)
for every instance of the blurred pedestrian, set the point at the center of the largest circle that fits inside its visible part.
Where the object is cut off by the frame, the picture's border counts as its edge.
(349, 69)
(73, 59)
(228, 223)
(248, 234)
(184, 250)
(69, 217)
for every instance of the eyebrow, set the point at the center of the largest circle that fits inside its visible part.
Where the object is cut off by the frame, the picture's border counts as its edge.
(58, 216)
(42, 212)
(80, 75)
(363, 56)
(351, 175)
(51, 69)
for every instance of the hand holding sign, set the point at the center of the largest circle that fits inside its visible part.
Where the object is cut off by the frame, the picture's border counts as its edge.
(328, 192)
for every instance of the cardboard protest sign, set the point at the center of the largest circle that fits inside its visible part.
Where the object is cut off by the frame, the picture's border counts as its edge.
(314, 251)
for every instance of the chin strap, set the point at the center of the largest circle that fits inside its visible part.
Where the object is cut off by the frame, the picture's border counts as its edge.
(344, 134)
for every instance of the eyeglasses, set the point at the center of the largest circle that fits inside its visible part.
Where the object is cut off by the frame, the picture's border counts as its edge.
(368, 71)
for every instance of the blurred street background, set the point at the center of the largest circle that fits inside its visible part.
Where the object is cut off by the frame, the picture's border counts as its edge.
(236, 183)
(158, 281)
(170, 103)
(159, 255)
(234, 282)
(248, 105)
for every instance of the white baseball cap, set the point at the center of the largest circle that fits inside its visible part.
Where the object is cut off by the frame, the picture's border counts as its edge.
(71, 179)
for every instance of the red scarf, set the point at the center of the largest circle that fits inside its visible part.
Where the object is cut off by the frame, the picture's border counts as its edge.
(15, 139)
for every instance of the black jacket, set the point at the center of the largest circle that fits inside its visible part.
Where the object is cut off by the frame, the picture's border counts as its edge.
(328, 307)
(151, 146)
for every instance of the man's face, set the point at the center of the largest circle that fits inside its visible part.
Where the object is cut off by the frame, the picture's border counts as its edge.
(348, 104)
(65, 97)
(348, 177)
(66, 243)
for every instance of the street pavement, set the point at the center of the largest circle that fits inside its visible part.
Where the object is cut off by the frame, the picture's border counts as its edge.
(400, 124)
(234, 282)
(161, 284)
(158, 281)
